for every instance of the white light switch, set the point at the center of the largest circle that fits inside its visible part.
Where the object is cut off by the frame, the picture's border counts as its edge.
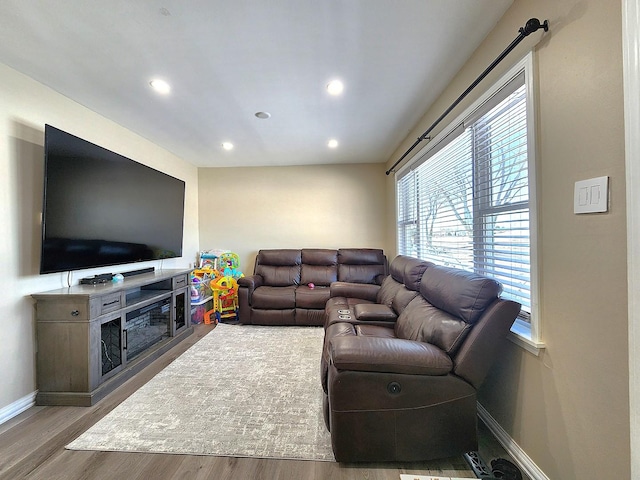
(591, 196)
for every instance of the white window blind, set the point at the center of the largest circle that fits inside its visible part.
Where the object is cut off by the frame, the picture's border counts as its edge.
(465, 203)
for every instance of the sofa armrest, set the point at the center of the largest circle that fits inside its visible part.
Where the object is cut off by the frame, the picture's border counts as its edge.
(246, 286)
(365, 291)
(371, 312)
(250, 282)
(388, 355)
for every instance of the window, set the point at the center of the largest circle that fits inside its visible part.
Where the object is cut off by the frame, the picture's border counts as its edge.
(465, 200)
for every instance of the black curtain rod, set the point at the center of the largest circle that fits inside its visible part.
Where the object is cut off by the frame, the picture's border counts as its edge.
(533, 25)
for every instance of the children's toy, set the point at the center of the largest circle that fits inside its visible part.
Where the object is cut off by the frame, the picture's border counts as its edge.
(200, 279)
(225, 298)
(228, 263)
(217, 276)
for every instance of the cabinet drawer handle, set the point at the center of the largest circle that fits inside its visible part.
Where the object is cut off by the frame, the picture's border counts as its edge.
(75, 313)
(111, 303)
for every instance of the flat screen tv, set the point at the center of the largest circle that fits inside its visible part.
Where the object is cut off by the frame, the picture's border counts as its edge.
(101, 208)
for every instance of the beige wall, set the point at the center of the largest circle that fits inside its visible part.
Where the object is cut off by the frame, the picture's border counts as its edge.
(24, 109)
(568, 408)
(322, 206)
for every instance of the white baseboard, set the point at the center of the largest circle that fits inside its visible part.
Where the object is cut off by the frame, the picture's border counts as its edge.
(17, 407)
(513, 449)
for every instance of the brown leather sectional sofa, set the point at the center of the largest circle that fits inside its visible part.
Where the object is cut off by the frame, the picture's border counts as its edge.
(291, 286)
(401, 366)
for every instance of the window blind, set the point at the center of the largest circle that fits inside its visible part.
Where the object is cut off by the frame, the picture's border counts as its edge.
(501, 233)
(465, 203)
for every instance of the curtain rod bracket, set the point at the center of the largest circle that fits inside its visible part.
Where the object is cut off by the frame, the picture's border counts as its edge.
(532, 25)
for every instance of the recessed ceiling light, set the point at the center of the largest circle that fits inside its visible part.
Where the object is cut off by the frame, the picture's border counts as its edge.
(227, 145)
(335, 87)
(333, 143)
(160, 86)
(263, 115)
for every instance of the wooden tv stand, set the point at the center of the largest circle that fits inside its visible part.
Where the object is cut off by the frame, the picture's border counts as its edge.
(92, 338)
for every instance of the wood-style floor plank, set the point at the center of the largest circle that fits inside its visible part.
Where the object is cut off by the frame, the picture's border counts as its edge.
(32, 447)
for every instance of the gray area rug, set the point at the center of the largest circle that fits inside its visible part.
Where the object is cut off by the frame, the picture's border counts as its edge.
(241, 391)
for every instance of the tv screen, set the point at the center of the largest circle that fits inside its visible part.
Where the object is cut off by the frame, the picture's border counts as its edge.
(102, 209)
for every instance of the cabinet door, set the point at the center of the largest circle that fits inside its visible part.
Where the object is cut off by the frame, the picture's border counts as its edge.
(181, 310)
(111, 351)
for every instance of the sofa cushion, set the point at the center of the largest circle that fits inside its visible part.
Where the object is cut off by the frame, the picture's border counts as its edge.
(413, 273)
(384, 354)
(322, 275)
(319, 266)
(272, 298)
(319, 256)
(279, 276)
(365, 291)
(396, 268)
(408, 270)
(388, 290)
(360, 273)
(361, 256)
(311, 297)
(402, 299)
(279, 257)
(279, 268)
(423, 322)
(361, 265)
(459, 292)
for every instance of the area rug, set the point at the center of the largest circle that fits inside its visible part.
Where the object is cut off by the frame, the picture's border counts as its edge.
(241, 391)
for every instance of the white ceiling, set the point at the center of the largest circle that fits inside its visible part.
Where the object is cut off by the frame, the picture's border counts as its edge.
(228, 59)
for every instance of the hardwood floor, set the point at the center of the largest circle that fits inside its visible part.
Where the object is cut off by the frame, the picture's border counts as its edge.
(32, 447)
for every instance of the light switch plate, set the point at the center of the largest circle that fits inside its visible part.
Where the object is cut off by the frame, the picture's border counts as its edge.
(591, 196)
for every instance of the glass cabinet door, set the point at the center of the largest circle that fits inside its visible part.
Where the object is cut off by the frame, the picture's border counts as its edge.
(182, 311)
(111, 345)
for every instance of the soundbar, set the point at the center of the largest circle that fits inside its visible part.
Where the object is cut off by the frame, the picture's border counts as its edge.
(138, 272)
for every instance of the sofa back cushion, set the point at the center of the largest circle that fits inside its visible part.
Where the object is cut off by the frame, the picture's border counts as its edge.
(402, 284)
(319, 266)
(463, 294)
(413, 272)
(395, 295)
(423, 322)
(279, 268)
(396, 267)
(388, 290)
(402, 299)
(361, 265)
(450, 302)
